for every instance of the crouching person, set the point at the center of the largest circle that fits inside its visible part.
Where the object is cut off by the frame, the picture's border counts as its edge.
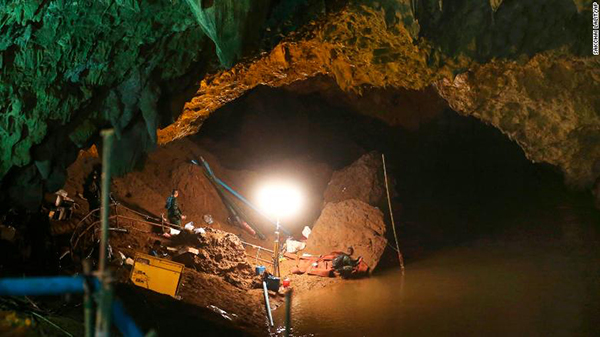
(347, 267)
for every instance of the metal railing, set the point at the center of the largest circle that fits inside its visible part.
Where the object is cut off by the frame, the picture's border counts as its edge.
(115, 206)
(109, 310)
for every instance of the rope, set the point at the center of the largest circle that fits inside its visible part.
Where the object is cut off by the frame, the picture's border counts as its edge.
(51, 323)
(387, 190)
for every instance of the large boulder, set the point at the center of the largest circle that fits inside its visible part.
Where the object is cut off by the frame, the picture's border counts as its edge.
(349, 223)
(361, 181)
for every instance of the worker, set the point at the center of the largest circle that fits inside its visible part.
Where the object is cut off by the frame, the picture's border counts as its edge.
(157, 249)
(91, 189)
(174, 213)
(344, 264)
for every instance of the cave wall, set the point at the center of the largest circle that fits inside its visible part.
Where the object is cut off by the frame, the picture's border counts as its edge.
(72, 68)
(548, 105)
(521, 66)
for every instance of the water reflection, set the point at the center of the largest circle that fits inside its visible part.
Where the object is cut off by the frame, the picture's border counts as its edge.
(520, 288)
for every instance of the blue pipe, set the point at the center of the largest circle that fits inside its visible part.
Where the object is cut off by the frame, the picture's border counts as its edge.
(250, 205)
(239, 196)
(54, 285)
(58, 285)
(124, 322)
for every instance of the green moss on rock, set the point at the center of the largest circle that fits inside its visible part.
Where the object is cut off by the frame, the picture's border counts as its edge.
(61, 58)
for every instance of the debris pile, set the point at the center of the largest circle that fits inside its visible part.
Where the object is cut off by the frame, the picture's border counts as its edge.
(215, 252)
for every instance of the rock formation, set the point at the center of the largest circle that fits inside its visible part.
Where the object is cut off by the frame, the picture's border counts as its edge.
(72, 68)
(349, 223)
(548, 105)
(360, 181)
(506, 67)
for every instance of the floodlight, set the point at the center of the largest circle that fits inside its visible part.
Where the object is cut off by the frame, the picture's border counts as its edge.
(280, 199)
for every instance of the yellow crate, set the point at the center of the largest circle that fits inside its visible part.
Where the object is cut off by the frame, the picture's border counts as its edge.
(156, 274)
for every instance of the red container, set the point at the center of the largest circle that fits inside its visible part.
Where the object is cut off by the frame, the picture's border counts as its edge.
(286, 282)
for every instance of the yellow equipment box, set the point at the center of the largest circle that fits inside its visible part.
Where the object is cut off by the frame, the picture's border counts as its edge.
(156, 274)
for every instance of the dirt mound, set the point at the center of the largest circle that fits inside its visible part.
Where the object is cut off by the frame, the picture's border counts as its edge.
(170, 167)
(244, 307)
(349, 223)
(361, 181)
(169, 317)
(219, 253)
(217, 274)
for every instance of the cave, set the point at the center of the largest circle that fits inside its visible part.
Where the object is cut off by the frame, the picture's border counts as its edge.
(291, 168)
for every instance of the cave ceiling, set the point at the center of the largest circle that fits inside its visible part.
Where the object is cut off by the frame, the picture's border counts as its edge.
(154, 70)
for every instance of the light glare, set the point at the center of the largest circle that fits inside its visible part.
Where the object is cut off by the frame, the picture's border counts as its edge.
(280, 199)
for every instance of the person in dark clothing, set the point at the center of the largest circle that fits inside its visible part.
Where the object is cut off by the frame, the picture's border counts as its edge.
(91, 189)
(174, 212)
(157, 249)
(344, 263)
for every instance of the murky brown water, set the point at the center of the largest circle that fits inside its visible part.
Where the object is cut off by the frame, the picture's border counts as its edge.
(524, 288)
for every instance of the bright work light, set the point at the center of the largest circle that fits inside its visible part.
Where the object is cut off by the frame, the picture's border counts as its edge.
(280, 199)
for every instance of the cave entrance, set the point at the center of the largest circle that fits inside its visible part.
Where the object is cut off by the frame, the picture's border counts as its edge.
(455, 179)
(485, 232)
(480, 226)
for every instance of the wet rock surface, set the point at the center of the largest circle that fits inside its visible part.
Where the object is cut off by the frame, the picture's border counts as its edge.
(70, 69)
(362, 47)
(547, 105)
(361, 181)
(349, 223)
(244, 307)
(122, 70)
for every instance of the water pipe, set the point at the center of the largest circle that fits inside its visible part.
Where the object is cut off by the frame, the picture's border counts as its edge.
(58, 285)
(34, 286)
(288, 313)
(234, 209)
(266, 292)
(88, 302)
(124, 322)
(239, 196)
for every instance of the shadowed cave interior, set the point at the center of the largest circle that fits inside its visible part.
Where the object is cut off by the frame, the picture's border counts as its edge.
(486, 112)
